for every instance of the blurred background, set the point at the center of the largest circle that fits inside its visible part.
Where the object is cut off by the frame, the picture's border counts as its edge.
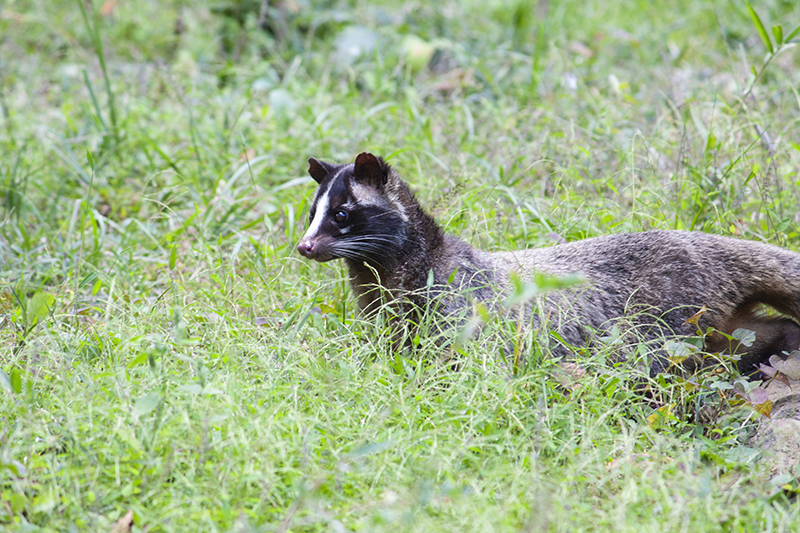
(139, 135)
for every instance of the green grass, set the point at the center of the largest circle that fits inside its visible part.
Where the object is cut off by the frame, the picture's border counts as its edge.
(164, 349)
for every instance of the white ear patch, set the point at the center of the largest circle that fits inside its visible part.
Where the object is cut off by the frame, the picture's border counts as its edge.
(364, 194)
(394, 200)
(319, 216)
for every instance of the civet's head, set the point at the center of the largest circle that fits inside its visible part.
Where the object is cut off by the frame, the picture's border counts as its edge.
(357, 212)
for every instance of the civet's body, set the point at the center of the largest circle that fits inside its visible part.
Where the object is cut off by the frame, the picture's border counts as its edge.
(364, 213)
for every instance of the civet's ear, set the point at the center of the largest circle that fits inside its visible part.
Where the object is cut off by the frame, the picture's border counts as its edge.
(318, 169)
(369, 171)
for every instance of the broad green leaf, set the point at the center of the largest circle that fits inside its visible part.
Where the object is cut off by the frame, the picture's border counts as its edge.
(745, 336)
(777, 31)
(659, 416)
(173, 257)
(16, 381)
(39, 306)
(711, 142)
(138, 360)
(45, 501)
(760, 28)
(679, 351)
(724, 385)
(147, 403)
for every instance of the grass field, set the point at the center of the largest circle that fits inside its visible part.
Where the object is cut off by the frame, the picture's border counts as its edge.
(165, 350)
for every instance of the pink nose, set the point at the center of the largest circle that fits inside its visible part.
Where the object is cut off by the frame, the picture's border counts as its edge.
(307, 249)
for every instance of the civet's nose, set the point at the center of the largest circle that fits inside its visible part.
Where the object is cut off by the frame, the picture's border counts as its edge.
(307, 248)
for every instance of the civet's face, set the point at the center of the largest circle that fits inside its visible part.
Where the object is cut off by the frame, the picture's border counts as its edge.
(351, 217)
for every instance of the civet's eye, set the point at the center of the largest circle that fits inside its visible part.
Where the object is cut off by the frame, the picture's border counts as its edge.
(340, 217)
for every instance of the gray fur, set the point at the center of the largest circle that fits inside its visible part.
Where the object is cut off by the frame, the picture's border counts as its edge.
(658, 278)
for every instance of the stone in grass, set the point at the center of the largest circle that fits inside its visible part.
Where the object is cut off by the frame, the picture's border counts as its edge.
(779, 435)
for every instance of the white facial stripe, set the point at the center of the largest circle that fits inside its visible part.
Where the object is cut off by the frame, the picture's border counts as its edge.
(322, 208)
(319, 216)
(336, 177)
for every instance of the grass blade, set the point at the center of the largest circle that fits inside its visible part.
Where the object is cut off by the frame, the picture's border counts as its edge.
(94, 99)
(98, 48)
(792, 34)
(760, 28)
